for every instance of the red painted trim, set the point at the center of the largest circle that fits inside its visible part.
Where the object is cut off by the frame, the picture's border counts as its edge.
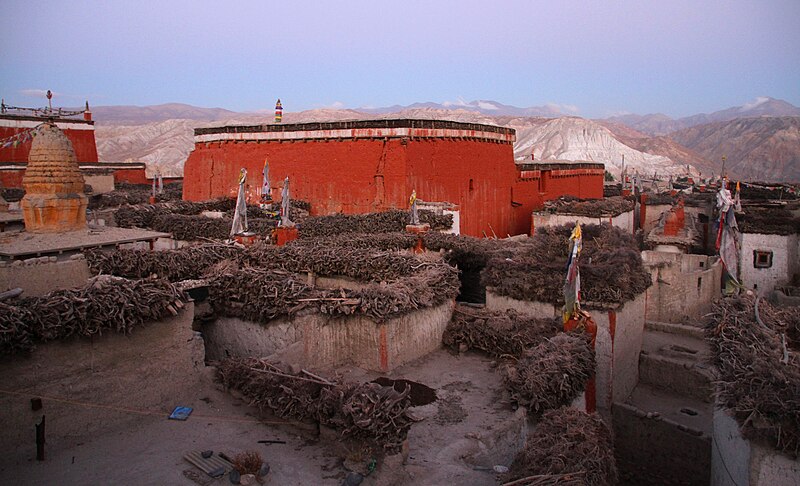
(612, 327)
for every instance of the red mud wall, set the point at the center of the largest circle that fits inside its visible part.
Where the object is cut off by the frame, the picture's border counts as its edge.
(82, 142)
(12, 178)
(131, 176)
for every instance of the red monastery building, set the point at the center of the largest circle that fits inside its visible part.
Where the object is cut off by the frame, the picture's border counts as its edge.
(16, 130)
(366, 166)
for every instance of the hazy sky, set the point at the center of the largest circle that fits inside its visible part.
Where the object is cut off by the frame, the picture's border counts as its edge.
(594, 58)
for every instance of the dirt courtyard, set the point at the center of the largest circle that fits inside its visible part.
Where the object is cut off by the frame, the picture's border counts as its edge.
(460, 437)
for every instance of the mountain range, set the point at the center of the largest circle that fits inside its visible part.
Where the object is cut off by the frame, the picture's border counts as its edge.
(760, 139)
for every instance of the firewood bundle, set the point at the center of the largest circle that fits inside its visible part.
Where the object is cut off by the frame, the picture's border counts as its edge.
(128, 194)
(754, 347)
(365, 411)
(568, 447)
(173, 265)
(105, 303)
(552, 374)
(610, 264)
(142, 215)
(589, 207)
(191, 227)
(498, 334)
(383, 222)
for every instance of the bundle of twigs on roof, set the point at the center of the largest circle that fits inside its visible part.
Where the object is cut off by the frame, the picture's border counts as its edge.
(551, 374)
(589, 207)
(611, 190)
(142, 215)
(383, 222)
(758, 368)
(662, 198)
(191, 227)
(766, 192)
(134, 194)
(610, 264)
(568, 447)
(260, 295)
(365, 411)
(106, 303)
(498, 334)
(768, 221)
(174, 265)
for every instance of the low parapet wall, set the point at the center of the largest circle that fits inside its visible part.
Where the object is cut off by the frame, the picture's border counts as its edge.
(40, 275)
(619, 341)
(100, 381)
(684, 286)
(736, 460)
(623, 221)
(323, 342)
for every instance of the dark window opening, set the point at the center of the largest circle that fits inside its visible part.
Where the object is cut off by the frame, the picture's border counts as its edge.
(699, 282)
(762, 259)
(471, 185)
(472, 291)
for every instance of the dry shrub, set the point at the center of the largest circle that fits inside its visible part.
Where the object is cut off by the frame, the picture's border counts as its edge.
(611, 267)
(569, 446)
(248, 462)
(756, 381)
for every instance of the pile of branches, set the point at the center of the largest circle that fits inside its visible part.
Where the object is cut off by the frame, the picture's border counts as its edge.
(660, 199)
(191, 227)
(766, 192)
(365, 411)
(129, 194)
(568, 447)
(105, 303)
(608, 206)
(758, 373)
(142, 215)
(383, 222)
(551, 374)
(768, 221)
(260, 295)
(498, 334)
(610, 265)
(611, 190)
(174, 265)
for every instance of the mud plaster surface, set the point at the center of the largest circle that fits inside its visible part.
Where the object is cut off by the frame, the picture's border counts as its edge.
(455, 443)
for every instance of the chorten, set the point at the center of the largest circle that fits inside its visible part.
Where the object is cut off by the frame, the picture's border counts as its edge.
(54, 201)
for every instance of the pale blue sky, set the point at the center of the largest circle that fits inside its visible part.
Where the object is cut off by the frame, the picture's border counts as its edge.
(603, 57)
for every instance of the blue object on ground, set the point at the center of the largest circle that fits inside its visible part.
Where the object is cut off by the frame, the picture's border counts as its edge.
(180, 413)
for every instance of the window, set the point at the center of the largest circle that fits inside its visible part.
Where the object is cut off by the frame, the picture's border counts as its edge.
(762, 259)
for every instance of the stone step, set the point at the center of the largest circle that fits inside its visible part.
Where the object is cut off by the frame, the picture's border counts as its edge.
(661, 438)
(676, 363)
(672, 328)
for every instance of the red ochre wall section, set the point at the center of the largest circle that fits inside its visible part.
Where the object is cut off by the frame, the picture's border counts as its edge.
(83, 143)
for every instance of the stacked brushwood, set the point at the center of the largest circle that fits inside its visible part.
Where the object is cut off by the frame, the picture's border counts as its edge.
(758, 370)
(106, 303)
(142, 215)
(610, 266)
(498, 334)
(192, 227)
(364, 412)
(611, 190)
(769, 221)
(174, 265)
(660, 199)
(383, 222)
(568, 447)
(260, 295)
(589, 207)
(551, 374)
(129, 194)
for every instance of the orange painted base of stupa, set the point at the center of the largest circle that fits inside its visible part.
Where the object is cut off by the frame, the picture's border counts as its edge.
(54, 213)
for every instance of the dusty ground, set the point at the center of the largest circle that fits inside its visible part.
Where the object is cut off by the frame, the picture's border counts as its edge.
(462, 435)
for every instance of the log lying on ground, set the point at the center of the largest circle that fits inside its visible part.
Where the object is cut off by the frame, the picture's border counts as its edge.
(551, 374)
(107, 303)
(758, 368)
(611, 267)
(365, 411)
(568, 447)
(497, 334)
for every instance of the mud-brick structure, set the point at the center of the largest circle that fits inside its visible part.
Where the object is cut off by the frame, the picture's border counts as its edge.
(364, 166)
(54, 199)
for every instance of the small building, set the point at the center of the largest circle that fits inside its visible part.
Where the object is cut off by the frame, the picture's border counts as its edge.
(363, 166)
(770, 248)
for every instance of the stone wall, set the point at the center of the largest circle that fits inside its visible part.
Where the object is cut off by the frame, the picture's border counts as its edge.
(785, 263)
(102, 380)
(683, 286)
(623, 221)
(38, 276)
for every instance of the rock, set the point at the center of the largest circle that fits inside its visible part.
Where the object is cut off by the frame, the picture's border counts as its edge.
(499, 469)
(463, 348)
(52, 259)
(235, 477)
(264, 470)
(248, 480)
(207, 454)
(218, 472)
(295, 368)
(353, 479)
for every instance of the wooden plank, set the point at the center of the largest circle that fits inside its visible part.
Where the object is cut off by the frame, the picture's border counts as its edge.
(207, 465)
